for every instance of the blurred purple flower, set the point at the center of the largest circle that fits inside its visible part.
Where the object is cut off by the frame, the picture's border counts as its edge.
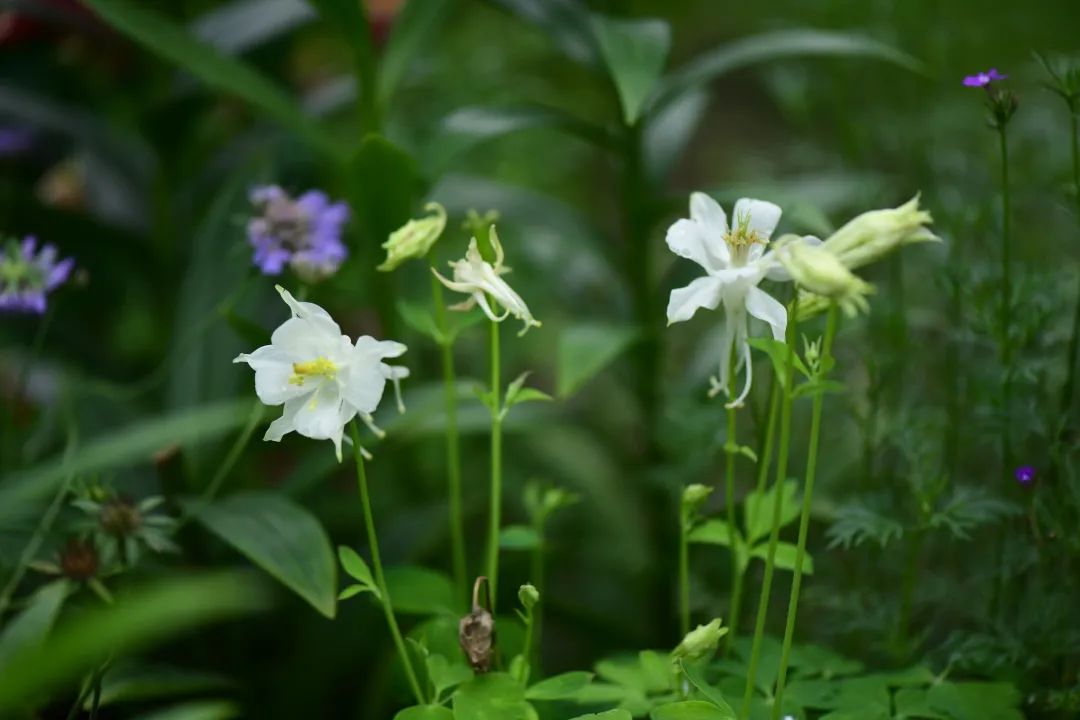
(1025, 474)
(15, 140)
(27, 275)
(984, 78)
(304, 233)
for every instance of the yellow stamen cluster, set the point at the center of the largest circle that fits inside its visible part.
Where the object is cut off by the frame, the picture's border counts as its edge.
(319, 367)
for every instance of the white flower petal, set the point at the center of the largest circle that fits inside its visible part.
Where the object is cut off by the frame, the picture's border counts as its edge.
(705, 292)
(712, 222)
(686, 239)
(284, 424)
(765, 307)
(363, 383)
(321, 415)
(763, 216)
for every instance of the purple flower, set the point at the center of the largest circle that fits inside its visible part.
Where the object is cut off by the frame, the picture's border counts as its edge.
(1025, 474)
(15, 140)
(303, 233)
(984, 78)
(27, 275)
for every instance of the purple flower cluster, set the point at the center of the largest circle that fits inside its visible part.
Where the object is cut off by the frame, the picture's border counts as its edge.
(27, 275)
(304, 233)
(984, 78)
(1025, 474)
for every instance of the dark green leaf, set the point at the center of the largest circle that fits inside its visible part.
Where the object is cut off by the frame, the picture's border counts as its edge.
(976, 700)
(420, 591)
(758, 510)
(913, 703)
(27, 631)
(444, 674)
(565, 21)
(855, 523)
(425, 712)
(518, 537)
(559, 687)
(586, 349)
(282, 538)
(494, 696)
(196, 710)
(412, 26)
(634, 52)
(220, 72)
(138, 682)
(690, 710)
(386, 182)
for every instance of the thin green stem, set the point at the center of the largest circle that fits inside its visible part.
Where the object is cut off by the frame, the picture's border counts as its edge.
(684, 575)
(1074, 339)
(774, 533)
(496, 470)
(730, 449)
(536, 577)
(1006, 303)
(804, 518)
(376, 562)
(907, 593)
(453, 448)
(234, 453)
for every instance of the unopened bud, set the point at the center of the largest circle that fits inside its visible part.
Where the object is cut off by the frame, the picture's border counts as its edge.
(415, 238)
(878, 232)
(528, 596)
(819, 271)
(700, 641)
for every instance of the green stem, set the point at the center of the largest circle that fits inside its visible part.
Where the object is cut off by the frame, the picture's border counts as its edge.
(804, 518)
(496, 470)
(536, 577)
(453, 449)
(731, 448)
(774, 533)
(907, 593)
(1006, 303)
(376, 562)
(1074, 339)
(684, 575)
(234, 453)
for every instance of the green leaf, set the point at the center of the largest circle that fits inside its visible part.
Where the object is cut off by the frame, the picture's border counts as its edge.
(516, 393)
(586, 349)
(913, 703)
(657, 670)
(425, 712)
(690, 710)
(354, 590)
(518, 537)
(608, 715)
(124, 446)
(559, 687)
(976, 700)
(420, 591)
(713, 695)
(784, 557)
(494, 696)
(419, 319)
(282, 538)
(386, 182)
(814, 660)
(134, 681)
(196, 710)
(758, 510)
(770, 46)
(241, 25)
(159, 35)
(412, 25)
(777, 351)
(27, 630)
(566, 22)
(138, 619)
(634, 52)
(356, 567)
(855, 523)
(713, 532)
(444, 674)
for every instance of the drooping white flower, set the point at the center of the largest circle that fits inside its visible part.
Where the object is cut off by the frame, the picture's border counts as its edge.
(478, 279)
(322, 378)
(735, 261)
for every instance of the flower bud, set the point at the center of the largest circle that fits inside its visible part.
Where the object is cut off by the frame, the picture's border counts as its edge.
(693, 496)
(415, 238)
(528, 596)
(819, 271)
(878, 232)
(700, 641)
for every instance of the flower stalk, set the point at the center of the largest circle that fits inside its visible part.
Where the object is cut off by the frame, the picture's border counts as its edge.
(804, 519)
(376, 562)
(731, 449)
(495, 510)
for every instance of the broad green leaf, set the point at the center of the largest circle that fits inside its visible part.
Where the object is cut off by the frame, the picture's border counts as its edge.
(469, 127)
(282, 538)
(608, 715)
(913, 703)
(413, 24)
(690, 710)
(420, 591)
(196, 710)
(138, 619)
(124, 446)
(518, 537)
(27, 630)
(770, 46)
(566, 22)
(586, 349)
(712, 694)
(419, 318)
(976, 700)
(868, 695)
(559, 687)
(425, 712)
(355, 566)
(159, 35)
(386, 183)
(634, 52)
(758, 510)
(812, 660)
(713, 532)
(784, 557)
(494, 696)
(243, 24)
(657, 670)
(444, 674)
(133, 681)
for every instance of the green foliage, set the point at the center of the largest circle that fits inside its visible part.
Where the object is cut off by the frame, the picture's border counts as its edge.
(586, 349)
(634, 52)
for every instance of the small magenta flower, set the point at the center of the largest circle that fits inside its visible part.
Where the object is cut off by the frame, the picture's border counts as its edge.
(304, 233)
(1025, 474)
(984, 78)
(28, 275)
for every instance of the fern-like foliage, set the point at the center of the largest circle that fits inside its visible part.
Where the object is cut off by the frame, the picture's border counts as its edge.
(856, 523)
(968, 508)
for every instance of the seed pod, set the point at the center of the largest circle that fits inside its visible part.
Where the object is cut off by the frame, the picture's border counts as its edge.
(476, 631)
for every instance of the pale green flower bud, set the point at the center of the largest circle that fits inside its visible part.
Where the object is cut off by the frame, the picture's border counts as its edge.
(693, 496)
(700, 641)
(819, 271)
(878, 232)
(414, 238)
(528, 596)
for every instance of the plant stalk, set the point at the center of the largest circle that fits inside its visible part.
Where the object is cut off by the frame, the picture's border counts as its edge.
(496, 469)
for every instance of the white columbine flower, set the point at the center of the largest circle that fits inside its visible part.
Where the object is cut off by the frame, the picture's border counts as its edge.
(735, 261)
(320, 376)
(478, 278)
